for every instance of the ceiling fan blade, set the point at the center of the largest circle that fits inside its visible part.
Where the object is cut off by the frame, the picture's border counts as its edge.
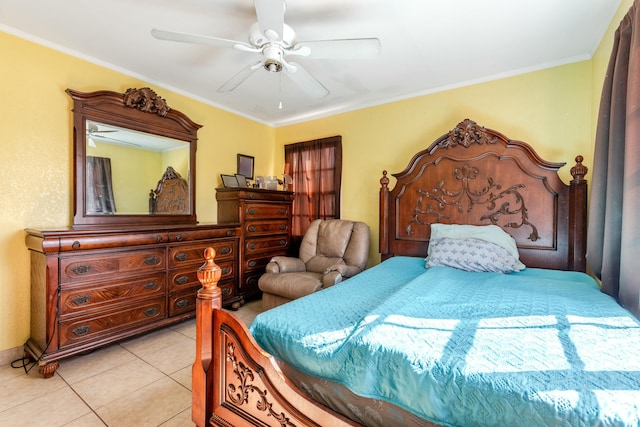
(240, 77)
(199, 39)
(305, 80)
(362, 48)
(270, 15)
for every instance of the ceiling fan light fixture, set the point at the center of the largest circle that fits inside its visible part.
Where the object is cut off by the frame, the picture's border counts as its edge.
(272, 58)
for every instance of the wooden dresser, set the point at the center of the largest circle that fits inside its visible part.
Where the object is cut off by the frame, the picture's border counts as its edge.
(90, 288)
(265, 220)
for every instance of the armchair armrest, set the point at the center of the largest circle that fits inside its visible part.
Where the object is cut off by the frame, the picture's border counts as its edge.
(331, 278)
(344, 269)
(282, 264)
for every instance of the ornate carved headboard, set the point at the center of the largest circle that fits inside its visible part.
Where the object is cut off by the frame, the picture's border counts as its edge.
(474, 175)
(171, 195)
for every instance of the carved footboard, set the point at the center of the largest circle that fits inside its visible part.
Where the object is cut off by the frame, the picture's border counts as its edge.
(234, 382)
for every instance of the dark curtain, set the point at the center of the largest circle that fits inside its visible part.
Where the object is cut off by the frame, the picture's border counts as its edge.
(613, 243)
(316, 169)
(99, 189)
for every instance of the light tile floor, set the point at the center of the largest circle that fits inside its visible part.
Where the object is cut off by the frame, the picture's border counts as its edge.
(143, 381)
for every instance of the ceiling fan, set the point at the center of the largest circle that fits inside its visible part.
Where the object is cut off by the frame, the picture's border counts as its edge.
(276, 41)
(95, 133)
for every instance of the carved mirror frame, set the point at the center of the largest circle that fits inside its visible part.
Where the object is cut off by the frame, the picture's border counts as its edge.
(140, 110)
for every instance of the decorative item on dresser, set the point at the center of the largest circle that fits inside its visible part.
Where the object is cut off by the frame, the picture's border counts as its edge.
(265, 220)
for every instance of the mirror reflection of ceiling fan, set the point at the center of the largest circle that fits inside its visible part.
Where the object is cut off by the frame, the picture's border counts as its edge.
(96, 133)
(276, 42)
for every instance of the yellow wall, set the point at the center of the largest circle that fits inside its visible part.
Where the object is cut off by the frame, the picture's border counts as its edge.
(553, 109)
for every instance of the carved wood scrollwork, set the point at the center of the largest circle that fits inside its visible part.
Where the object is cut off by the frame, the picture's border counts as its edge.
(466, 133)
(432, 203)
(240, 393)
(146, 100)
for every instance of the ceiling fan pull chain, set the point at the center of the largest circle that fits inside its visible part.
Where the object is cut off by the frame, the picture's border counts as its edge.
(279, 91)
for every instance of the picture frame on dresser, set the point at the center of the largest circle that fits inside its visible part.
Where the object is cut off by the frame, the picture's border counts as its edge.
(242, 180)
(245, 165)
(229, 181)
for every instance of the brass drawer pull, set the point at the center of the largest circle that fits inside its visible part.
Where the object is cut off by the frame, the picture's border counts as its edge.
(283, 227)
(252, 228)
(182, 257)
(226, 270)
(252, 263)
(151, 285)
(229, 233)
(283, 211)
(252, 246)
(151, 312)
(152, 260)
(251, 211)
(225, 250)
(81, 299)
(182, 303)
(179, 237)
(81, 330)
(226, 291)
(76, 245)
(159, 239)
(253, 281)
(81, 269)
(182, 280)
(283, 242)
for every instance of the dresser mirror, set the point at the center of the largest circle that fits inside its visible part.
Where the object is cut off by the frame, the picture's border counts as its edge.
(132, 152)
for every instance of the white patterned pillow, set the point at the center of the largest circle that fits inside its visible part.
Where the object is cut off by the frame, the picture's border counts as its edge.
(471, 255)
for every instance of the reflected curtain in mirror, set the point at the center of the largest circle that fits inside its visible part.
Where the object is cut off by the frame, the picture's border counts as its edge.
(99, 194)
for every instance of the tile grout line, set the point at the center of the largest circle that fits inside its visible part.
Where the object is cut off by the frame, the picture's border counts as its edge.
(83, 401)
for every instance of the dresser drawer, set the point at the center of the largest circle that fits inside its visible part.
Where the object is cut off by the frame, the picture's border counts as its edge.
(116, 240)
(185, 302)
(266, 210)
(249, 284)
(263, 228)
(259, 262)
(78, 330)
(266, 244)
(188, 278)
(180, 256)
(94, 266)
(209, 233)
(75, 299)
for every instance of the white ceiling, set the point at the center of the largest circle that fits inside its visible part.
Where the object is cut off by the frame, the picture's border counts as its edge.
(427, 45)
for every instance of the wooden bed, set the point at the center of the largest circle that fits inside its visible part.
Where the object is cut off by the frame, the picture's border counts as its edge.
(471, 175)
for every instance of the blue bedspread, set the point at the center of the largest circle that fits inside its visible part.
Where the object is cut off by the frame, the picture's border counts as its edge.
(535, 348)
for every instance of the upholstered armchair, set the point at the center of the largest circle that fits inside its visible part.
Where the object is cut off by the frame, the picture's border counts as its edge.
(331, 250)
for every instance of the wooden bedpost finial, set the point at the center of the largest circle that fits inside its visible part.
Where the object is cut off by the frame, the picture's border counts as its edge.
(209, 275)
(384, 181)
(578, 171)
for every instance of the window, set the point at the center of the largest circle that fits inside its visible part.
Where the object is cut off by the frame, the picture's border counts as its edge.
(316, 169)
